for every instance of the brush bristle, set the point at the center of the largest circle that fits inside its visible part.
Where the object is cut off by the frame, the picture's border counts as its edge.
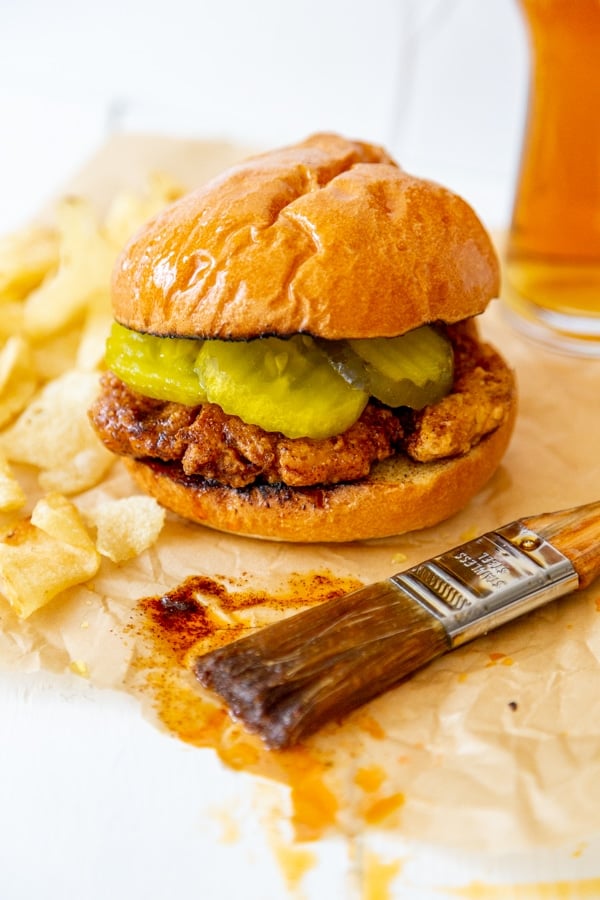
(288, 679)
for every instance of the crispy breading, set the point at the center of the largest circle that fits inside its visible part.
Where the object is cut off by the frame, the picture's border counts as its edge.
(223, 448)
(133, 425)
(478, 404)
(211, 444)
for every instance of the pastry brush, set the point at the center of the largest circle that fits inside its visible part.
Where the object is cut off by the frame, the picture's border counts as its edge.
(288, 679)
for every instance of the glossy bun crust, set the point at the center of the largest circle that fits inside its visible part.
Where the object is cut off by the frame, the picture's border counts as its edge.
(398, 496)
(327, 237)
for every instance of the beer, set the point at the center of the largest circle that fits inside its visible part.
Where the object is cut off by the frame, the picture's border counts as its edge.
(553, 251)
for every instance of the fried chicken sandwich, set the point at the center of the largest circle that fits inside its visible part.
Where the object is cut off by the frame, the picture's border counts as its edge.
(295, 356)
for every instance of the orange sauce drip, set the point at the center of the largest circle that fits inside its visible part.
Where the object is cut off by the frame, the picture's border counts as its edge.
(370, 726)
(202, 613)
(378, 877)
(369, 778)
(383, 808)
(588, 888)
(294, 863)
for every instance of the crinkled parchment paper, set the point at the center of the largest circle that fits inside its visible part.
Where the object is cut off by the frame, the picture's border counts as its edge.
(496, 745)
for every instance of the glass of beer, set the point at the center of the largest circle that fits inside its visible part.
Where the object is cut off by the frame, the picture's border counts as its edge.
(552, 278)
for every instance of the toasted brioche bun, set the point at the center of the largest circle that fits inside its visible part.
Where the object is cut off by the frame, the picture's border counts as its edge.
(398, 496)
(327, 237)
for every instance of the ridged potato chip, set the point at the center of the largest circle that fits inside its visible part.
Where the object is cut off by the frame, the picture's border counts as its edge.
(54, 434)
(129, 211)
(55, 316)
(128, 526)
(12, 495)
(26, 257)
(42, 556)
(11, 318)
(92, 339)
(85, 263)
(18, 380)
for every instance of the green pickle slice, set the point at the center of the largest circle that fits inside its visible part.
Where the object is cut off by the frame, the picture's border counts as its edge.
(158, 367)
(414, 369)
(297, 386)
(285, 385)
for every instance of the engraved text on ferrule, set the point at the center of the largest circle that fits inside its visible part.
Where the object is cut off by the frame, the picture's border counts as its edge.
(486, 567)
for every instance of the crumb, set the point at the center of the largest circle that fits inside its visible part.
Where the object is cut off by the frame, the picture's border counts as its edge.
(79, 667)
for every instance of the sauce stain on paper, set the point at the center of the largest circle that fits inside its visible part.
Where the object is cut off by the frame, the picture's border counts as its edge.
(200, 614)
(370, 778)
(294, 862)
(582, 889)
(378, 877)
(383, 809)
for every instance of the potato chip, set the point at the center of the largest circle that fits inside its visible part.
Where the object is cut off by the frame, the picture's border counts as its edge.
(54, 434)
(61, 519)
(127, 527)
(79, 667)
(11, 318)
(55, 316)
(78, 473)
(85, 264)
(43, 556)
(57, 354)
(92, 340)
(18, 381)
(129, 211)
(12, 495)
(26, 258)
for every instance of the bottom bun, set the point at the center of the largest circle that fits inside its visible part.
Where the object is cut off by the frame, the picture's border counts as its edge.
(398, 496)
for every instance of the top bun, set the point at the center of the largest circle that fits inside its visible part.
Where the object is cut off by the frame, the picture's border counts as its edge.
(328, 237)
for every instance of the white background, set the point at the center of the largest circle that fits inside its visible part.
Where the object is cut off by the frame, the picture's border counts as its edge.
(442, 83)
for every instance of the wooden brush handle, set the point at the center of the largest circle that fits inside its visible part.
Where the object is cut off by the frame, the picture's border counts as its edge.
(575, 533)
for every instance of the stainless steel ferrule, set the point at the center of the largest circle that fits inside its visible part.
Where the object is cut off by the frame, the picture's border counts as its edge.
(486, 582)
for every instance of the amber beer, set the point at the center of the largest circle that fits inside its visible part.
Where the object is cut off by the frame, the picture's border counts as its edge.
(553, 253)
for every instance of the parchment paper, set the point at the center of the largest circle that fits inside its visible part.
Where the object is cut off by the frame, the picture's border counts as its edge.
(495, 746)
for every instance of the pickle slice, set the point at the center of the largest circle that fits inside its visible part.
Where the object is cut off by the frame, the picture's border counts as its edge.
(296, 386)
(285, 385)
(158, 367)
(414, 369)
